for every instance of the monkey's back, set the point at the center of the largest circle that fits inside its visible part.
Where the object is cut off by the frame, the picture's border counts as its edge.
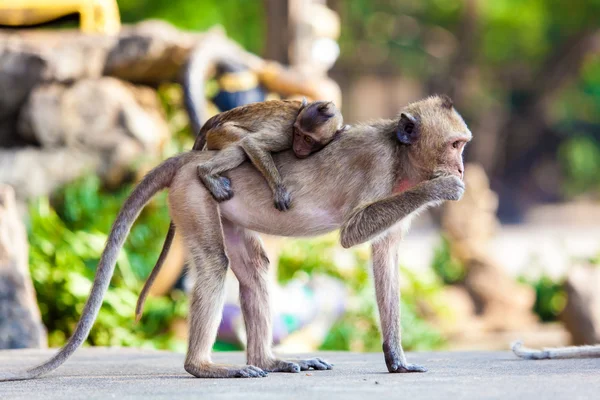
(277, 116)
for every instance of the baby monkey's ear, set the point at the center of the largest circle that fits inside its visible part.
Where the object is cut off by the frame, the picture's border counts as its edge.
(303, 105)
(326, 109)
(343, 129)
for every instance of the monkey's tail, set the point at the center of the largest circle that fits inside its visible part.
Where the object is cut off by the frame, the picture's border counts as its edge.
(155, 271)
(157, 179)
(554, 353)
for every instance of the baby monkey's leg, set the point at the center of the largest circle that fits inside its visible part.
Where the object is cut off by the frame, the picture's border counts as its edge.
(208, 172)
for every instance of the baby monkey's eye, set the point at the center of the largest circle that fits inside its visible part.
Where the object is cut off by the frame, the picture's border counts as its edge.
(308, 139)
(456, 144)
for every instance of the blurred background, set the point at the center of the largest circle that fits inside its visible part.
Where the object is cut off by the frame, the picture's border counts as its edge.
(95, 93)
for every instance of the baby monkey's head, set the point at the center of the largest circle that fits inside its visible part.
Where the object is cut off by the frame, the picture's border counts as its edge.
(317, 124)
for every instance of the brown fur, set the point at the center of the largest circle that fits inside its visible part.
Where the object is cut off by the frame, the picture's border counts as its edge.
(255, 131)
(366, 182)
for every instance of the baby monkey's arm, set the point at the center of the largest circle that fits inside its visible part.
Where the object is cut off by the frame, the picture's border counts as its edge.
(259, 152)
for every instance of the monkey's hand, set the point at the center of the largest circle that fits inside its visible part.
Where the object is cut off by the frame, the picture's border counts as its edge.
(283, 199)
(448, 187)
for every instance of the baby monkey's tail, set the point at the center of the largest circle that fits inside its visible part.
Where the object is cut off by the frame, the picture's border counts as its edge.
(139, 308)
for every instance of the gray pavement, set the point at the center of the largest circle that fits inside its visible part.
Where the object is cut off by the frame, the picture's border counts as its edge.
(120, 373)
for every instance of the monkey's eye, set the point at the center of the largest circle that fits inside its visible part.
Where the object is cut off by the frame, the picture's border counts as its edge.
(456, 144)
(308, 139)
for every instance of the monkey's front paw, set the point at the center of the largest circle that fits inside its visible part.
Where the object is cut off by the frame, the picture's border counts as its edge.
(451, 187)
(396, 362)
(283, 199)
(406, 368)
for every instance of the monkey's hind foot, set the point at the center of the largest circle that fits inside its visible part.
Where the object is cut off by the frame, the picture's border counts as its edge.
(210, 370)
(314, 363)
(277, 365)
(406, 368)
(396, 362)
(219, 186)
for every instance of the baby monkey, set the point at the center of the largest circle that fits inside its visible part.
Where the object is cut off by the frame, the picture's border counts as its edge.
(255, 131)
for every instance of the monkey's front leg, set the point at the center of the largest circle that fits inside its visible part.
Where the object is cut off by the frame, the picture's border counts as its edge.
(370, 220)
(387, 290)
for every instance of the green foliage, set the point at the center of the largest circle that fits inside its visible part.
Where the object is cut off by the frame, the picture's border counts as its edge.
(242, 19)
(580, 157)
(66, 241)
(550, 297)
(358, 329)
(446, 266)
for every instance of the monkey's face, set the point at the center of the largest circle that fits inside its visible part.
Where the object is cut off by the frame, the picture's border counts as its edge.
(435, 135)
(316, 126)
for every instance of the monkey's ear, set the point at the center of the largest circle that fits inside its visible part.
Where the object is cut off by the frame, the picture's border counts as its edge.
(304, 104)
(446, 101)
(325, 109)
(324, 106)
(343, 129)
(408, 131)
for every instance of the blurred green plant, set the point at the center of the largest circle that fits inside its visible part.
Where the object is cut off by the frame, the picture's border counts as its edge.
(580, 159)
(550, 297)
(242, 19)
(66, 239)
(358, 329)
(447, 267)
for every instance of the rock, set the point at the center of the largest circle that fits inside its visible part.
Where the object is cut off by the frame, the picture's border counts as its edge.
(581, 314)
(469, 224)
(150, 52)
(502, 303)
(20, 70)
(34, 172)
(67, 55)
(20, 321)
(108, 117)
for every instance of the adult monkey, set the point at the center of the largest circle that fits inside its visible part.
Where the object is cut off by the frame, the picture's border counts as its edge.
(368, 182)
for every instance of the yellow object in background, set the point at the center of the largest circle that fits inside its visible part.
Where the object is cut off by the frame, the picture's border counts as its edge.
(96, 16)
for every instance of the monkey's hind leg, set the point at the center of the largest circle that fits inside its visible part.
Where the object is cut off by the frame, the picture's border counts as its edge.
(203, 235)
(250, 266)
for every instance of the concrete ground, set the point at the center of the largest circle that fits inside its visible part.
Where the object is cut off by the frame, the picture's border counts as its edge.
(100, 373)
